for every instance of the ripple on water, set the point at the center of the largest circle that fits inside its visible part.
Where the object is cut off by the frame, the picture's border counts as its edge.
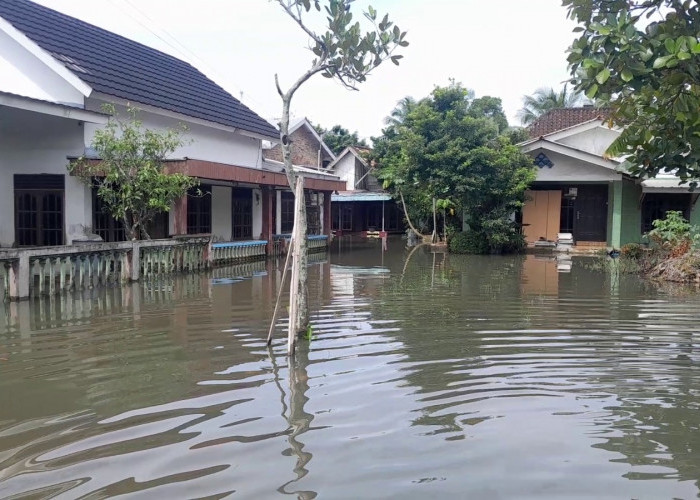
(445, 377)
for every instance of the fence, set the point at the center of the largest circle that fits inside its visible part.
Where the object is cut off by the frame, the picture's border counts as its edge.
(45, 271)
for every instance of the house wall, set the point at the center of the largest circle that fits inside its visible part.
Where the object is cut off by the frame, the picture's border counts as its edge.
(24, 74)
(221, 212)
(31, 143)
(571, 170)
(305, 148)
(596, 140)
(201, 142)
(631, 213)
(345, 169)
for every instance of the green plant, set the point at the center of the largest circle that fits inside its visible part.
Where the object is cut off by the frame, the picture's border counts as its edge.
(309, 334)
(468, 242)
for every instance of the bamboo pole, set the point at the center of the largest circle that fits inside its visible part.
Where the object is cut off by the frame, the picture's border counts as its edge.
(279, 292)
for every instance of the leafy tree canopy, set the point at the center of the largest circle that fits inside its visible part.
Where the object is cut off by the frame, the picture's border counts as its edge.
(130, 175)
(643, 56)
(338, 138)
(450, 146)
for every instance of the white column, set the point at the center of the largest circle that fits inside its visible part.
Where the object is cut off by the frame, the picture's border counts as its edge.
(221, 214)
(257, 214)
(278, 214)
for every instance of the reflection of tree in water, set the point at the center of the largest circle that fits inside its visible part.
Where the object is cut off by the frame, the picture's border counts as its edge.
(297, 417)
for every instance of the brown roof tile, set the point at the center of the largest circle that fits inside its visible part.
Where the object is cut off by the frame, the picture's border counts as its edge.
(561, 118)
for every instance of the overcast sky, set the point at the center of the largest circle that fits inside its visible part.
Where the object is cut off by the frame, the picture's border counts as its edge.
(502, 48)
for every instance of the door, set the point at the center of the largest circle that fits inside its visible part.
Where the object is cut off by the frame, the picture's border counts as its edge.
(541, 215)
(591, 214)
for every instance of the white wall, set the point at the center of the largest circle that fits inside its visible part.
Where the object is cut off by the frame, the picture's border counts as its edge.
(345, 169)
(596, 140)
(567, 169)
(257, 214)
(31, 143)
(221, 218)
(24, 74)
(202, 142)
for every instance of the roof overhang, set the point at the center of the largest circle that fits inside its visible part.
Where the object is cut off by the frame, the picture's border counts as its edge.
(45, 57)
(670, 185)
(363, 196)
(51, 108)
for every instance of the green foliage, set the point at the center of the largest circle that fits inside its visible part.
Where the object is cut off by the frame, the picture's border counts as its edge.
(468, 242)
(338, 138)
(643, 57)
(672, 230)
(343, 51)
(130, 176)
(545, 99)
(449, 146)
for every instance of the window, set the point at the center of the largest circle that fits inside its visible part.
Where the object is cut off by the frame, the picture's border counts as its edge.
(313, 213)
(199, 209)
(287, 212)
(655, 206)
(103, 224)
(242, 213)
(39, 209)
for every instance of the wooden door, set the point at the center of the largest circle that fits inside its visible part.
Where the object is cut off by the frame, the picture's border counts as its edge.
(541, 215)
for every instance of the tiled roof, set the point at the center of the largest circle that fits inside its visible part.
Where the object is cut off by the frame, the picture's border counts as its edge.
(561, 118)
(117, 66)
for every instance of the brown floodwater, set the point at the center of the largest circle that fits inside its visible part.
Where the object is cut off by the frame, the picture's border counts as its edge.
(428, 376)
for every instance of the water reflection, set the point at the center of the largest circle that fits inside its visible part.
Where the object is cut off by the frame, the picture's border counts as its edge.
(429, 375)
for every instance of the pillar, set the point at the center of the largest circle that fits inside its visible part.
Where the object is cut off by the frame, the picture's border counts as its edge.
(616, 222)
(268, 219)
(327, 228)
(180, 216)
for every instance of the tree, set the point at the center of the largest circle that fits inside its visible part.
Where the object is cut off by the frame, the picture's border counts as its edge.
(643, 58)
(338, 138)
(544, 99)
(403, 107)
(449, 151)
(130, 175)
(344, 53)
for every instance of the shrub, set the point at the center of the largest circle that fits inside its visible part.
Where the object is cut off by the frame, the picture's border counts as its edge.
(632, 251)
(468, 242)
(673, 233)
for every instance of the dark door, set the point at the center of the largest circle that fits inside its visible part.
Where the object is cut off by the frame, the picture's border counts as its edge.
(591, 213)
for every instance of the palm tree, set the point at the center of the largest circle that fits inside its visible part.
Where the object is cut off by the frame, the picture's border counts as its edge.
(544, 99)
(402, 109)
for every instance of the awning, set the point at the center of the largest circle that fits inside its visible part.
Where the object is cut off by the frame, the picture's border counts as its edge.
(363, 196)
(665, 185)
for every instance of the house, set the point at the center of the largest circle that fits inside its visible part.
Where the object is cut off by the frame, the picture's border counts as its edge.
(581, 191)
(311, 156)
(362, 206)
(58, 72)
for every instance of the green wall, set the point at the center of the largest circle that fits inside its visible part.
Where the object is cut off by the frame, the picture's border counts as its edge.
(631, 231)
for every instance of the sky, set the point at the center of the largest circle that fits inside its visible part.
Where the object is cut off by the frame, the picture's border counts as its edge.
(501, 48)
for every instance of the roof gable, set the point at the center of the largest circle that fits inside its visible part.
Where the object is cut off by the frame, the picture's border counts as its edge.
(119, 67)
(304, 122)
(348, 150)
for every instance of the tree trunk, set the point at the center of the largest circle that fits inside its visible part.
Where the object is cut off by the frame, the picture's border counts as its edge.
(433, 237)
(408, 219)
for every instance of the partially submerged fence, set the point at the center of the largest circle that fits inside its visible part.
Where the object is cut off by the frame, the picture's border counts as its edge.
(50, 270)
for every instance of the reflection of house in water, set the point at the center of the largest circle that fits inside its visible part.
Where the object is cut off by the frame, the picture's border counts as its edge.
(540, 275)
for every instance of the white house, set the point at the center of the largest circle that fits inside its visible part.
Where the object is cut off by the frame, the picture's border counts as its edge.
(58, 72)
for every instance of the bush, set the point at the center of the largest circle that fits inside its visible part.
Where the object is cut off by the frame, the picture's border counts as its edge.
(491, 242)
(632, 251)
(673, 233)
(468, 242)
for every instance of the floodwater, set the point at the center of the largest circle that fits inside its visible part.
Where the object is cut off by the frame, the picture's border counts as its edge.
(429, 376)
